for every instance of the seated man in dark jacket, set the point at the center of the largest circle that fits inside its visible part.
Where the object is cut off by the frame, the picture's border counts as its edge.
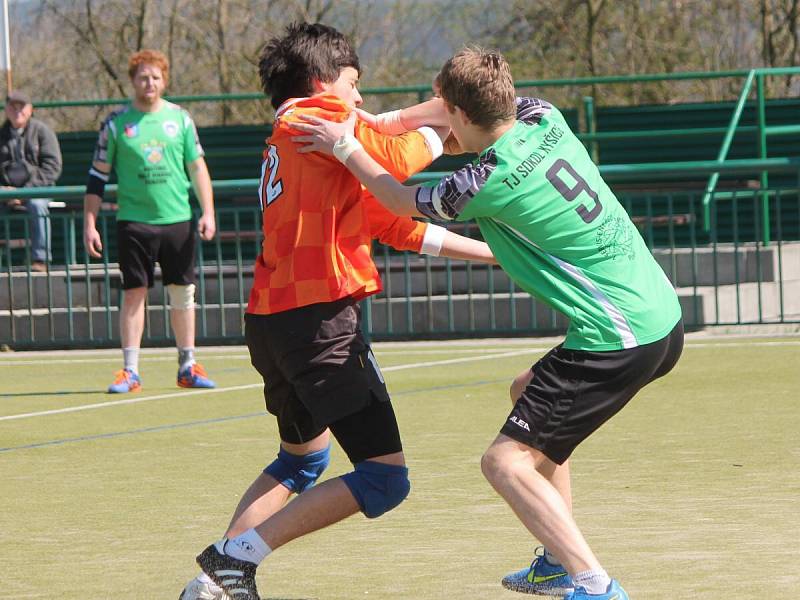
(29, 157)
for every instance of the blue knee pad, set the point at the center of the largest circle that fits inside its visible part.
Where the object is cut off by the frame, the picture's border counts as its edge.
(298, 473)
(377, 487)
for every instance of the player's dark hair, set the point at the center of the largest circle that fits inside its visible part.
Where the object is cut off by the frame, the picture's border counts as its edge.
(289, 63)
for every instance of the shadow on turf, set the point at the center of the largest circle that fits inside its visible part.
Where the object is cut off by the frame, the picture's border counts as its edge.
(65, 393)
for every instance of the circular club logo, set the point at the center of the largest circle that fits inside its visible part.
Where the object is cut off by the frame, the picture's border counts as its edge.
(171, 128)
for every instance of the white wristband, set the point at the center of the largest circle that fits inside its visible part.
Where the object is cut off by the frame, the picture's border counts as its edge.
(345, 146)
(390, 123)
(433, 239)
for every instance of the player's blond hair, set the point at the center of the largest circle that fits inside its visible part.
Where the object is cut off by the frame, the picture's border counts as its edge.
(479, 82)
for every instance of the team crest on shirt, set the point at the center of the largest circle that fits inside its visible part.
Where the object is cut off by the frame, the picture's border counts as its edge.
(131, 130)
(170, 128)
(153, 151)
(614, 238)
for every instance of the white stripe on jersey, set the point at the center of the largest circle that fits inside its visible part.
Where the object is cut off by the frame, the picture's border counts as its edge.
(615, 314)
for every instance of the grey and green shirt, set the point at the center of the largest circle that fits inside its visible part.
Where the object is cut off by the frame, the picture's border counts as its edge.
(149, 151)
(560, 233)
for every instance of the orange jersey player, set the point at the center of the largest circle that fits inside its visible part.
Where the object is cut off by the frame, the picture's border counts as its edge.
(317, 229)
(303, 321)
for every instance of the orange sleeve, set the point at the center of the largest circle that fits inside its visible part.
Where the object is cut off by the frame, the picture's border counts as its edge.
(401, 155)
(401, 233)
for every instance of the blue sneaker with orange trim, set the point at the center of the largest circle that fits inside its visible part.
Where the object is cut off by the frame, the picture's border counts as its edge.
(613, 592)
(194, 376)
(125, 381)
(540, 578)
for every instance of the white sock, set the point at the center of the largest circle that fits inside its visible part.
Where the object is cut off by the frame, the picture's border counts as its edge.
(248, 546)
(595, 582)
(130, 359)
(185, 358)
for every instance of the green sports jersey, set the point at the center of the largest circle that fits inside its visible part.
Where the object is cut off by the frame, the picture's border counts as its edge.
(149, 151)
(560, 233)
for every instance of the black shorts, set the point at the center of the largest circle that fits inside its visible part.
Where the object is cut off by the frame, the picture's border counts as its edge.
(142, 245)
(319, 372)
(573, 392)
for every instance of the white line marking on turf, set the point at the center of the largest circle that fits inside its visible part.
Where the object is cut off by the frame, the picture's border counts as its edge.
(68, 361)
(386, 369)
(467, 359)
(380, 349)
(739, 344)
(11, 361)
(70, 409)
(127, 401)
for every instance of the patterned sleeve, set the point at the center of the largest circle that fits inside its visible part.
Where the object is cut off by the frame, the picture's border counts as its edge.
(531, 110)
(107, 140)
(192, 150)
(446, 200)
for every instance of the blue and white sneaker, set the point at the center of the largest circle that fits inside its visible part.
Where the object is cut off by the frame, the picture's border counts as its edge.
(613, 592)
(194, 376)
(540, 578)
(125, 381)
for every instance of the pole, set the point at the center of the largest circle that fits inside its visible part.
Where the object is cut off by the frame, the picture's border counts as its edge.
(7, 48)
(762, 153)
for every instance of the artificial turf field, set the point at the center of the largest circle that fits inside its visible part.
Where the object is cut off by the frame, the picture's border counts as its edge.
(692, 491)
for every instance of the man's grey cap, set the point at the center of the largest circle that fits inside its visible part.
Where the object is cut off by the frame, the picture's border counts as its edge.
(18, 96)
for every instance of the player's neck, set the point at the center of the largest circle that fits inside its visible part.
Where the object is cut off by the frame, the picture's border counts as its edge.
(145, 106)
(483, 138)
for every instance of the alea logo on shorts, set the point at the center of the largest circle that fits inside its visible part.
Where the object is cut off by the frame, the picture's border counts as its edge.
(519, 423)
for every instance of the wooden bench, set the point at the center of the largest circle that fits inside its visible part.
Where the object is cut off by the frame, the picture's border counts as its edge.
(13, 244)
(244, 234)
(642, 222)
(667, 186)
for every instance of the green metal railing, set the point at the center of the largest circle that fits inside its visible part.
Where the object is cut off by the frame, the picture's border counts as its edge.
(733, 253)
(757, 75)
(726, 276)
(762, 130)
(424, 90)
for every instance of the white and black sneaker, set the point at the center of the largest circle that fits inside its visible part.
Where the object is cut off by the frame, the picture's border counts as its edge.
(198, 589)
(236, 577)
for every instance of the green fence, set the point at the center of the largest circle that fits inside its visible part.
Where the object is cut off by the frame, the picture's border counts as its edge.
(718, 207)
(630, 135)
(722, 280)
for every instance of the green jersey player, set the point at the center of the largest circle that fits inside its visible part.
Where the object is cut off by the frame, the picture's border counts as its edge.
(556, 228)
(151, 145)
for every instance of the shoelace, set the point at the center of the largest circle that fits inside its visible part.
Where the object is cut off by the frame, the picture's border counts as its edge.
(121, 376)
(538, 554)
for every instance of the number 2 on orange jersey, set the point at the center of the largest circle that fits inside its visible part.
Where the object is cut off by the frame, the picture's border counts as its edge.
(268, 188)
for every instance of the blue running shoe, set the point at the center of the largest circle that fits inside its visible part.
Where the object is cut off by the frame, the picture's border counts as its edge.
(125, 381)
(540, 578)
(194, 376)
(613, 592)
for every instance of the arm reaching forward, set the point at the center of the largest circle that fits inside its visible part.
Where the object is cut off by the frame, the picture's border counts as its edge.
(338, 139)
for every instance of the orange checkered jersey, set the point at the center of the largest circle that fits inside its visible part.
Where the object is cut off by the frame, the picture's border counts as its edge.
(319, 221)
